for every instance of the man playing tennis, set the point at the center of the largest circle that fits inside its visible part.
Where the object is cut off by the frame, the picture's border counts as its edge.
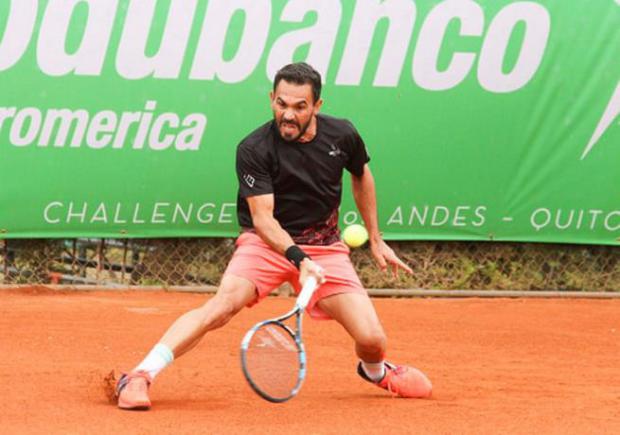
(290, 184)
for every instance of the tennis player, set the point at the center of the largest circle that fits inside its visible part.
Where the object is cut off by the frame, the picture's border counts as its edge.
(290, 185)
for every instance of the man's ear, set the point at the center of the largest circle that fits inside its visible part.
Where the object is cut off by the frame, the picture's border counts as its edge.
(317, 106)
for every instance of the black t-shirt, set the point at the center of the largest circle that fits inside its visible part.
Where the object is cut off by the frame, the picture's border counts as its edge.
(305, 178)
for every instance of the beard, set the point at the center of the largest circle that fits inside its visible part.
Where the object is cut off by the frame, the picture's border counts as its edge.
(289, 136)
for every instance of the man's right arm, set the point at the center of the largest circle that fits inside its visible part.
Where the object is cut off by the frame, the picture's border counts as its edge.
(272, 233)
(266, 225)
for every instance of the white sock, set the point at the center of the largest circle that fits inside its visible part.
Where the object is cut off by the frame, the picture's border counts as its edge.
(158, 359)
(375, 371)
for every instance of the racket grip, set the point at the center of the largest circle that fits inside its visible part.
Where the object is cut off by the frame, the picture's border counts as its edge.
(306, 292)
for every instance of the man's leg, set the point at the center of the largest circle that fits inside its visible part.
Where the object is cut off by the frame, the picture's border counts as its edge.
(356, 313)
(233, 294)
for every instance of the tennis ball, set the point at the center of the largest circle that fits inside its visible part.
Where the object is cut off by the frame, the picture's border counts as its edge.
(355, 235)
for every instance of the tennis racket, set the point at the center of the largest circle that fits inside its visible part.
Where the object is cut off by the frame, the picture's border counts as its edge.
(273, 358)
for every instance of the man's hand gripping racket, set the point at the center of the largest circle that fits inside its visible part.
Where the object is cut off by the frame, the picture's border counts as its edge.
(273, 357)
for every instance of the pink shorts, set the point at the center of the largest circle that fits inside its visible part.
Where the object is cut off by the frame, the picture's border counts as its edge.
(257, 262)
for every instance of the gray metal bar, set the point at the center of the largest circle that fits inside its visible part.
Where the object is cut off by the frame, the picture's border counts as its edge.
(371, 292)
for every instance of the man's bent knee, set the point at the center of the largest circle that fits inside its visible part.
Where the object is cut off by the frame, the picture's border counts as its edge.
(372, 342)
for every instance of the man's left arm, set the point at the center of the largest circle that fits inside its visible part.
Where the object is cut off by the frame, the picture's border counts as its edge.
(366, 200)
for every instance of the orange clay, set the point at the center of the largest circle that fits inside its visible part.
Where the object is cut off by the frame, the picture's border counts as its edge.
(497, 366)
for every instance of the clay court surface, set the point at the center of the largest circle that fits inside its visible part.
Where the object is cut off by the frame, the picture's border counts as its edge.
(498, 366)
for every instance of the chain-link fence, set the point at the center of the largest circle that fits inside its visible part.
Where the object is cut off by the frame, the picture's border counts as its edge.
(201, 262)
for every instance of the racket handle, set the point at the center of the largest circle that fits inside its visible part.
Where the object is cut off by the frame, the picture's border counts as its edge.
(306, 292)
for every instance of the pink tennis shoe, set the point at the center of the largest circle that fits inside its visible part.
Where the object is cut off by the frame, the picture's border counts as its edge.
(132, 391)
(402, 381)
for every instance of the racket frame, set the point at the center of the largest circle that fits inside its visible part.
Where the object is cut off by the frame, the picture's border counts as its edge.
(300, 305)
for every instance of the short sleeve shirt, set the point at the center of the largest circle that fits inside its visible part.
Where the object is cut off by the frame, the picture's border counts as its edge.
(305, 178)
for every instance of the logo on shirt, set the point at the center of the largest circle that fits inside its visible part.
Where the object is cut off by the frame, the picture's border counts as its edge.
(249, 180)
(335, 151)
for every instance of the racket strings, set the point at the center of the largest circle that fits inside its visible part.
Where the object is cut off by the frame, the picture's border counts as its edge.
(273, 361)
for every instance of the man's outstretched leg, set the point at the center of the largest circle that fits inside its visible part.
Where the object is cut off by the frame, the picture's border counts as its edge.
(233, 294)
(357, 315)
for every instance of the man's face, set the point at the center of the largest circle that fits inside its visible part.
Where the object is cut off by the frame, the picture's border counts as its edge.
(293, 109)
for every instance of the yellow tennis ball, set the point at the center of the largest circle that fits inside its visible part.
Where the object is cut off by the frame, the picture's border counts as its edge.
(355, 235)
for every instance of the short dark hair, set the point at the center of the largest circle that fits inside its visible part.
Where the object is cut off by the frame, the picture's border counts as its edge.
(300, 73)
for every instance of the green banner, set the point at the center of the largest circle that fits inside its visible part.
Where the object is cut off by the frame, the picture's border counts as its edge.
(485, 120)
